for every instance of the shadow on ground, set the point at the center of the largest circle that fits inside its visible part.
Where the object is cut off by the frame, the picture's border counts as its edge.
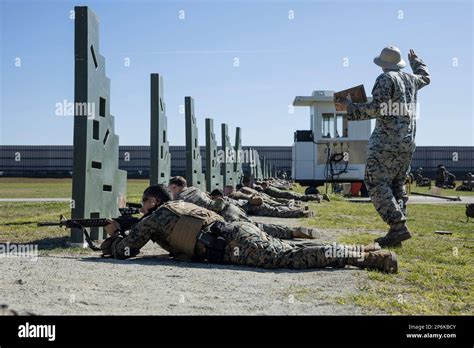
(166, 260)
(48, 243)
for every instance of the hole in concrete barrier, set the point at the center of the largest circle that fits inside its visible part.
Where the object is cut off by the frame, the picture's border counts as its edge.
(161, 152)
(94, 57)
(161, 105)
(107, 188)
(162, 174)
(101, 107)
(96, 165)
(95, 130)
(164, 135)
(106, 136)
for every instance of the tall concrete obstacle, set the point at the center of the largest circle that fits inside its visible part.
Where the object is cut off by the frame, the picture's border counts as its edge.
(214, 178)
(194, 174)
(238, 158)
(252, 163)
(257, 167)
(228, 158)
(160, 157)
(98, 186)
(260, 169)
(254, 167)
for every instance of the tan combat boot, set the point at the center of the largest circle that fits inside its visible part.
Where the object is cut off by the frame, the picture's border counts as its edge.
(308, 213)
(372, 247)
(306, 233)
(397, 233)
(381, 260)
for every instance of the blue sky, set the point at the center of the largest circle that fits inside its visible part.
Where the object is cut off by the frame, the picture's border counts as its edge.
(279, 59)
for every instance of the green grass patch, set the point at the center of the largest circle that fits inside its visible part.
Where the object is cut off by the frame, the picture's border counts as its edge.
(56, 188)
(435, 271)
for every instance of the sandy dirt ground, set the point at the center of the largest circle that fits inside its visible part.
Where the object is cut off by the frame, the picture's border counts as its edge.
(64, 283)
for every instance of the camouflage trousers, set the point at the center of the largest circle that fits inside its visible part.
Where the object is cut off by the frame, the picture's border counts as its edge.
(298, 197)
(248, 245)
(385, 176)
(277, 231)
(267, 210)
(307, 198)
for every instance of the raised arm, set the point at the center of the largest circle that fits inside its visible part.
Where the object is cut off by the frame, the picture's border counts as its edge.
(420, 70)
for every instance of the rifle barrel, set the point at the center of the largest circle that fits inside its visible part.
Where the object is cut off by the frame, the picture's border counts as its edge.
(87, 222)
(49, 223)
(134, 205)
(125, 222)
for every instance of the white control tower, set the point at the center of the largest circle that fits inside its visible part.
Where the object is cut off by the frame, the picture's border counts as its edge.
(335, 149)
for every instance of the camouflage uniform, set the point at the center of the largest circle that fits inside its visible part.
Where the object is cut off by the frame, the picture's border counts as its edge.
(392, 143)
(277, 193)
(282, 185)
(267, 209)
(282, 212)
(246, 244)
(266, 198)
(249, 246)
(272, 201)
(440, 176)
(233, 213)
(195, 195)
(231, 210)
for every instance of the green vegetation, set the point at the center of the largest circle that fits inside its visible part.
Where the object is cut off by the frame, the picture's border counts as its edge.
(56, 188)
(435, 271)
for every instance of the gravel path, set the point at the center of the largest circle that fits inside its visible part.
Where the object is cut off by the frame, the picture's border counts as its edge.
(64, 282)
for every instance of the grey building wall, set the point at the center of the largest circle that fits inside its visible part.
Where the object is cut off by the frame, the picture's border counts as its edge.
(56, 160)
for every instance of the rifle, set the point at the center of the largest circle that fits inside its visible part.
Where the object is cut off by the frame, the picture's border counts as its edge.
(126, 220)
(134, 205)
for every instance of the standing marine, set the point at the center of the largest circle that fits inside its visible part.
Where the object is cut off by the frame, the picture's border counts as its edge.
(391, 146)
